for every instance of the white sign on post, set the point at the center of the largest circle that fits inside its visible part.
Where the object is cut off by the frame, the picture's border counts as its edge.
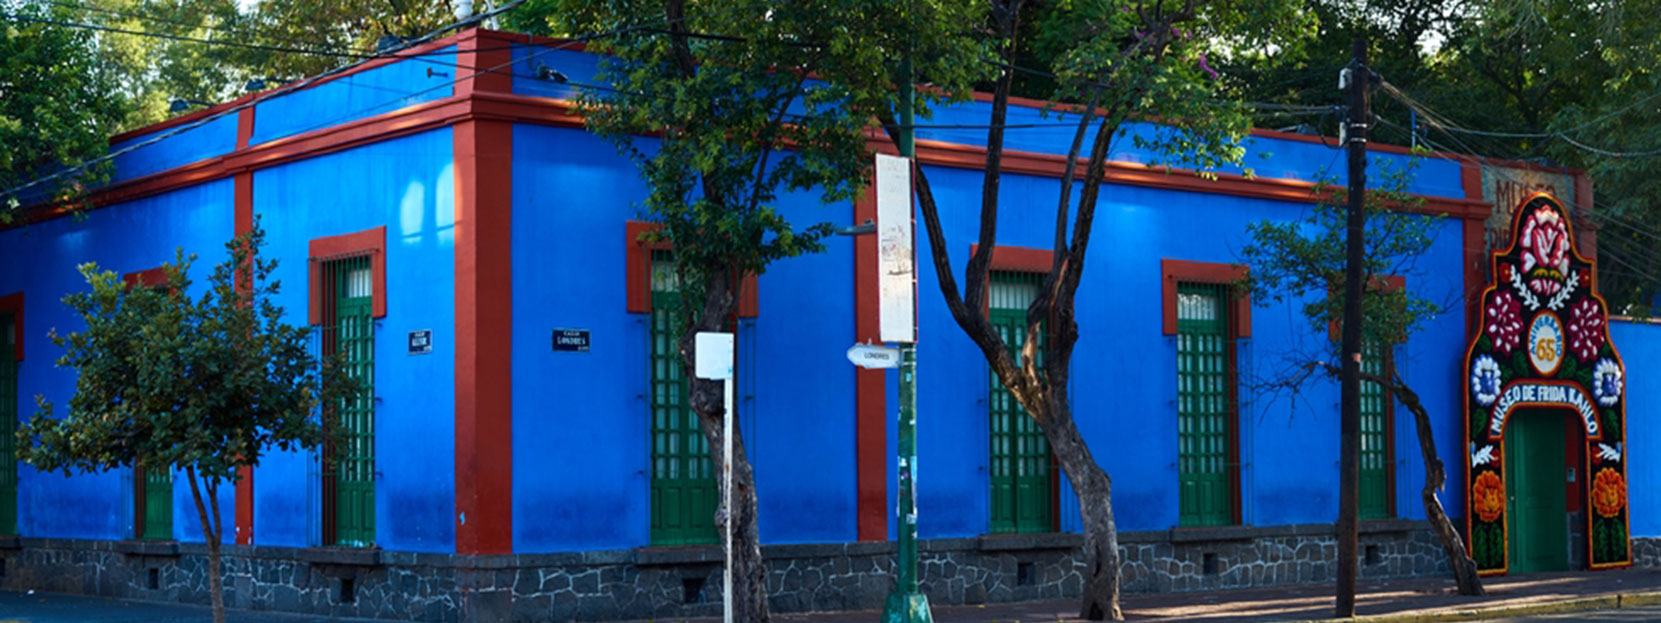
(873, 357)
(896, 261)
(714, 362)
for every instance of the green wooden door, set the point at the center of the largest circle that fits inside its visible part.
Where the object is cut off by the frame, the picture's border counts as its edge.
(684, 490)
(156, 487)
(1535, 466)
(8, 426)
(352, 336)
(1203, 405)
(1023, 479)
(1375, 437)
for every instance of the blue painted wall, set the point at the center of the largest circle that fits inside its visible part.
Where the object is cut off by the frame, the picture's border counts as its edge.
(406, 185)
(580, 419)
(1125, 368)
(1640, 348)
(363, 94)
(166, 149)
(40, 261)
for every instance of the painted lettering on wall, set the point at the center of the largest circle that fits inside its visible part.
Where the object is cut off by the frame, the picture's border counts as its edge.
(1543, 394)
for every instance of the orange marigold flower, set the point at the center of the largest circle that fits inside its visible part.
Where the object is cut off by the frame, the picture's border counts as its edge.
(1488, 496)
(1609, 492)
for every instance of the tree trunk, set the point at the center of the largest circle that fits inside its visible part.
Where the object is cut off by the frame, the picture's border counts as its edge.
(211, 531)
(1101, 535)
(749, 575)
(1464, 568)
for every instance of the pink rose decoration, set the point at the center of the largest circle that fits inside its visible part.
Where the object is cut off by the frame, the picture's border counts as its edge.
(1586, 329)
(1503, 321)
(1545, 242)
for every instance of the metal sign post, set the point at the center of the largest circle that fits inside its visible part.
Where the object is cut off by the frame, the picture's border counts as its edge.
(714, 361)
(897, 295)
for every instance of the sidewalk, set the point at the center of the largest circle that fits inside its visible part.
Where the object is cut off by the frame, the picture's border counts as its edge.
(1391, 601)
(1397, 601)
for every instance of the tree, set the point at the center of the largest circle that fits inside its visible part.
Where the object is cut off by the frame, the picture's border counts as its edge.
(1304, 259)
(724, 105)
(56, 104)
(204, 384)
(1548, 81)
(1124, 61)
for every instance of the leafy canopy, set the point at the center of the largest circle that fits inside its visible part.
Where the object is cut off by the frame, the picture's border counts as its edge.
(170, 379)
(757, 99)
(57, 102)
(1304, 259)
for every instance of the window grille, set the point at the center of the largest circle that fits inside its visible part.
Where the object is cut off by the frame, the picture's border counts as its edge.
(1204, 405)
(1022, 468)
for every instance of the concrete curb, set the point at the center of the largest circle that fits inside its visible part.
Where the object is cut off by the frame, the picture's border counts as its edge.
(1581, 604)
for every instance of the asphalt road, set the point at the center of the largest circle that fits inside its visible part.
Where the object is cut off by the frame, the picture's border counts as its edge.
(1623, 615)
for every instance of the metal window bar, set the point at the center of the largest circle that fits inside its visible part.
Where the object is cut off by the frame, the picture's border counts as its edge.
(1203, 405)
(684, 489)
(1022, 469)
(349, 332)
(8, 426)
(1375, 435)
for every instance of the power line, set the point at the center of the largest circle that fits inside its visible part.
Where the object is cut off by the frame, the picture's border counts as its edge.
(170, 36)
(283, 90)
(192, 25)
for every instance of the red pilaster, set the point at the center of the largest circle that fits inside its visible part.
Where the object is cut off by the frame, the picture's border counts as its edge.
(244, 220)
(870, 387)
(487, 54)
(484, 333)
(1475, 247)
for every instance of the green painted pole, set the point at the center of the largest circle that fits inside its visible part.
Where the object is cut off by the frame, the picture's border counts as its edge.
(907, 604)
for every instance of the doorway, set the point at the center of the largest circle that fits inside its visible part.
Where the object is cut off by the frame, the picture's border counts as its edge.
(1535, 460)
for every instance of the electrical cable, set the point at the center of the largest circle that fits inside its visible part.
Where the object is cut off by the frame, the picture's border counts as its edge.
(11, 193)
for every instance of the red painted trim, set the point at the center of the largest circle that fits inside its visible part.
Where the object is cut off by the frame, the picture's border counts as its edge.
(13, 304)
(478, 51)
(214, 110)
(1135, 174)
(244, 222)
(1018, 259)
(244, 127)
(148, 278)
(1173, 272)
(371, 242)
(1475, 247)
(484, 337)
(637, 266)
(870, 386)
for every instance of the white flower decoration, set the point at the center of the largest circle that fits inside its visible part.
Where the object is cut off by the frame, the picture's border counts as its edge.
(1485, 380)
(1607, 382)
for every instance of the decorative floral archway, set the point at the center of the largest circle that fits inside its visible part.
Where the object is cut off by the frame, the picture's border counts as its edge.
(1544, 341)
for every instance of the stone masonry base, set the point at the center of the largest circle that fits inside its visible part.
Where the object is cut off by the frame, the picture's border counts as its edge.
(658, 583)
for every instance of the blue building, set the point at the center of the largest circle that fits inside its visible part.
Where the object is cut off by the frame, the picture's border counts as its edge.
(470, 222)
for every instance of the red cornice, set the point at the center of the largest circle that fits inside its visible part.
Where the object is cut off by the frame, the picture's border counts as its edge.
(483, 105)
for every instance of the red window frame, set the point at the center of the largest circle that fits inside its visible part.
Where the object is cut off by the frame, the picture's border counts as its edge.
(638, 271)
(371, 242)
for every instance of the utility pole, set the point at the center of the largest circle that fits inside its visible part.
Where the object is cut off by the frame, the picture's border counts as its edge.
(907, 604)
(1349, 470)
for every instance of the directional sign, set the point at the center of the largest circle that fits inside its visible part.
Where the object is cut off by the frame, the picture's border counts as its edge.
(873, 357)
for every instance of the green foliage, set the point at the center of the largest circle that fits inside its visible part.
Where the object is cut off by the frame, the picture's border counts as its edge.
(57, 106)
(1304, 259)
(1532, 68)
(169, 380)
(724, 121)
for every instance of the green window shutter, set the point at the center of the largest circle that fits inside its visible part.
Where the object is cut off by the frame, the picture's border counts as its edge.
(1204, 372)
(351, 335)
(684, 492)
(1021, 466)
(1375, 436)
(8, 427)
